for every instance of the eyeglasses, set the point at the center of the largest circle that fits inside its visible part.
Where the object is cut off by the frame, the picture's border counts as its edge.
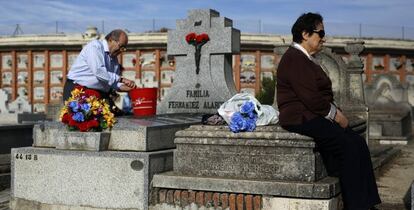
(121, 48)
(321, 33)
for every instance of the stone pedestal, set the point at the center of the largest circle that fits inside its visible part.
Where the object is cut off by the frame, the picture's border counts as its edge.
(101, 180)
(390, 126)
(269, 153)
(282, 169)
(47, 178)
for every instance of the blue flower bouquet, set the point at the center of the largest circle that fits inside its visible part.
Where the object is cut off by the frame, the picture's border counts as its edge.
(245, 119)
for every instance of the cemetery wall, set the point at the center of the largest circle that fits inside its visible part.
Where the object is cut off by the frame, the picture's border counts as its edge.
(35, 66)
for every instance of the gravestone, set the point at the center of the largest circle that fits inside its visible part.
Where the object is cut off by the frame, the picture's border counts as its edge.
(61, 179)
(270, 163)
(283, 169)
(115, 179)
(3, 102)
(390, 111)
(213, 151)
(201, 86)
(20, 105)
(386, 91)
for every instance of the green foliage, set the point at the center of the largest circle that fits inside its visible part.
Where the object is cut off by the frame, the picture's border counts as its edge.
(267, 92)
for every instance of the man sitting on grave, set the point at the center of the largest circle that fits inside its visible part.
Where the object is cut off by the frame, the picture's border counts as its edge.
(97, 67)
(306, 105)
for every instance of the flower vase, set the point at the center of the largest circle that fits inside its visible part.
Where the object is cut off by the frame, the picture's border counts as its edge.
(86, 141)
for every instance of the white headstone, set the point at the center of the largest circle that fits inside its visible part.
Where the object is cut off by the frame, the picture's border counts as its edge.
(204, 88)
(3, 100)
(20, 105)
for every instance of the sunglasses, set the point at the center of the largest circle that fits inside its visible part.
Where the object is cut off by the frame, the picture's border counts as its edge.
(321, 33)
(121, 47)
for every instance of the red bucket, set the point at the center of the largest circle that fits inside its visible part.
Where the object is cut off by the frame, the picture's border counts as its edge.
(144, 101)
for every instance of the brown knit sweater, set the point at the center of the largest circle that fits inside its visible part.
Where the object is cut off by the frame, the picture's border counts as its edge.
(304, 91)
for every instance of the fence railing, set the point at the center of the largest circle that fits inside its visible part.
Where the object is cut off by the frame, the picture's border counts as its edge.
(245, 26)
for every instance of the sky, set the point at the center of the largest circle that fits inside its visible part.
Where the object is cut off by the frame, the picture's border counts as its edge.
(257, 16)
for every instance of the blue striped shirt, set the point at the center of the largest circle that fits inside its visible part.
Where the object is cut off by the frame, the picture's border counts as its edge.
(95, 68)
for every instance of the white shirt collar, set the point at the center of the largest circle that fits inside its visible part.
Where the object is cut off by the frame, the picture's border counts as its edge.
(105, 45)
(299, 47)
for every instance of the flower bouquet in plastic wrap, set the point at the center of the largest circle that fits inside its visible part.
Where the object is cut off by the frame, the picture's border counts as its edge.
(86, 111)
(243, 112)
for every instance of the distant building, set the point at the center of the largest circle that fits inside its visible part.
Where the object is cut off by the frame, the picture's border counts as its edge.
(35, 66)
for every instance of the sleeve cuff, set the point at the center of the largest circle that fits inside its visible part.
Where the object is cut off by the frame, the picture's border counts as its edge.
(332, 113)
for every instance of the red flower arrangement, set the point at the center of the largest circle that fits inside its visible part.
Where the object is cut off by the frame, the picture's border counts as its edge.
(197, 41)
(194, 39)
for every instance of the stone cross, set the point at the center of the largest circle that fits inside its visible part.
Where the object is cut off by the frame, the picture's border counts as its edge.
(20, 105)
(205, 90)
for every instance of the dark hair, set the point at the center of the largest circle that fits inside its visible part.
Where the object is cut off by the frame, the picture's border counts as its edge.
(306, 22)
(115, 34)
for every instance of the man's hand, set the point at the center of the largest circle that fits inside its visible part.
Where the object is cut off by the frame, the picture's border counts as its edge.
(124, 88)
(341, 119)
(129, 83)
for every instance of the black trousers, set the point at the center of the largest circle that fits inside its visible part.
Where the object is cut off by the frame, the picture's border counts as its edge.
(345, 153)
(67, 89)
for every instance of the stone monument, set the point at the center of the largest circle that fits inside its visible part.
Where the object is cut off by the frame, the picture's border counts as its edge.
(4, 97)
(390, 111)
(20, 105)
(118, 177)
(203, 76)
(269, 168)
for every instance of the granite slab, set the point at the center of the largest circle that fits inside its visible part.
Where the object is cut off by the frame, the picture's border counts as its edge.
(106, 179)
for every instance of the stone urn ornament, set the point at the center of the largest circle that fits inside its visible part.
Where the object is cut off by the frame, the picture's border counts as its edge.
(197, 41)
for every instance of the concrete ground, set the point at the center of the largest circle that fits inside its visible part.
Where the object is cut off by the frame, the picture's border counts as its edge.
(4, 199)
(395, 179)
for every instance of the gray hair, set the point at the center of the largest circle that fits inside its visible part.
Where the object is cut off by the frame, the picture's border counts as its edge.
(115, 34)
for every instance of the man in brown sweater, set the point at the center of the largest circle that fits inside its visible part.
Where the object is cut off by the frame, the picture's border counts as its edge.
(306, 106)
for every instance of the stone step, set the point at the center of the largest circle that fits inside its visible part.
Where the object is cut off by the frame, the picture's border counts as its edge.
(327, 187)
(4, 181)
(381, 155)
(5, 168)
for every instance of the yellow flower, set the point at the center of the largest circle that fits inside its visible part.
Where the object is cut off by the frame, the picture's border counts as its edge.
(96, 105)
(63, 111)
(77, 92)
